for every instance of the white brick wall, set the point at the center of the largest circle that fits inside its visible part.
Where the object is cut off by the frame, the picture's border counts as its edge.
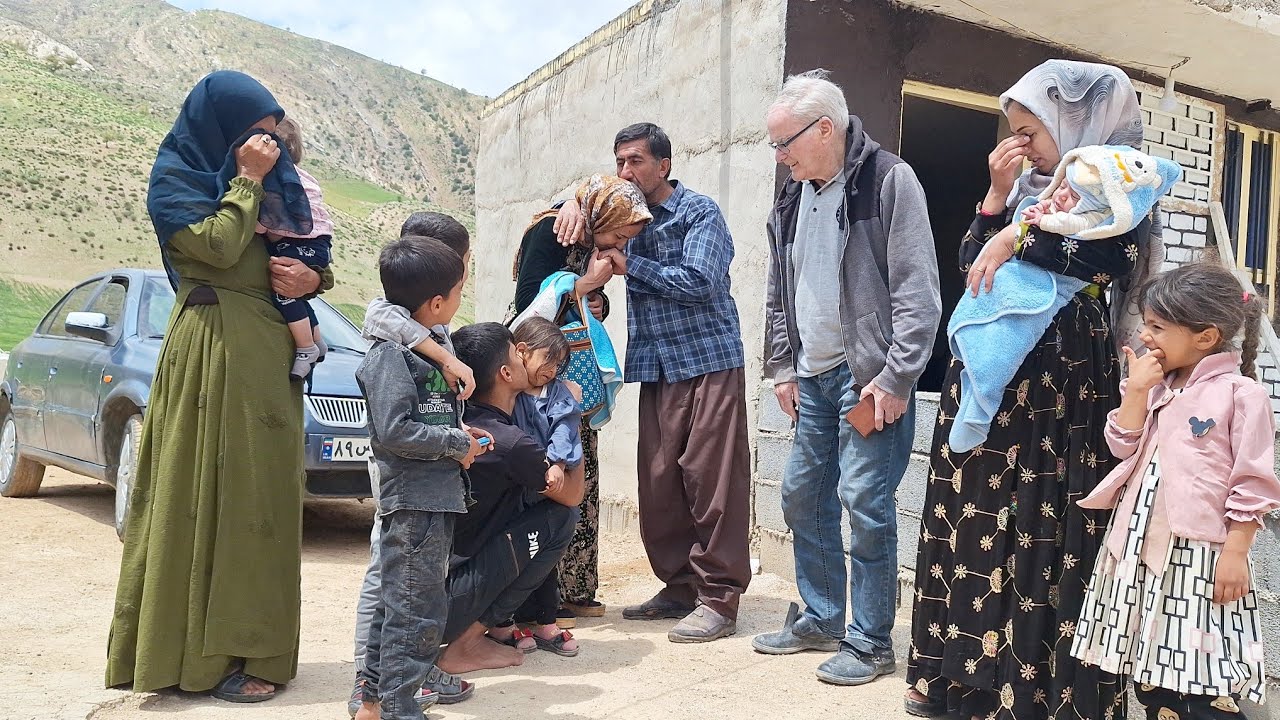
(1186, 135)
(1185, 236)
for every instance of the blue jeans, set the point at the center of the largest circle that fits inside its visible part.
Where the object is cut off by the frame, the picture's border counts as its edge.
(833, 466)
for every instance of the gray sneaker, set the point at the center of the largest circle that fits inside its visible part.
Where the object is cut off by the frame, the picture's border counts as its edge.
(702, 625)
(795, 636)
(853, 667)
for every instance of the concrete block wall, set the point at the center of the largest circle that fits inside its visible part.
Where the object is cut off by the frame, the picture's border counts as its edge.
(1186, 236)
(707, 72)
(1188, 135)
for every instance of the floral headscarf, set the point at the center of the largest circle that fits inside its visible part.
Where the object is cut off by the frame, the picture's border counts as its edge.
(608, 203)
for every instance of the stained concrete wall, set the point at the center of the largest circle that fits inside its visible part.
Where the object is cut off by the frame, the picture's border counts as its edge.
(706, 71)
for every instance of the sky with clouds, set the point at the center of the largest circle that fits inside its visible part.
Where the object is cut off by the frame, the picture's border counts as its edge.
(485, 46)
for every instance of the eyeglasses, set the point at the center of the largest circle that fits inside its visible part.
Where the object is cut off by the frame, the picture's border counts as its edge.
(785, 144)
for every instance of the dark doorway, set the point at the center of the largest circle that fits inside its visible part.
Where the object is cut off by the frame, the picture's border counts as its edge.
(947, 146)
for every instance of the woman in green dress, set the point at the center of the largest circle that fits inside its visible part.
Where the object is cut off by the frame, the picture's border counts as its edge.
(208, 597)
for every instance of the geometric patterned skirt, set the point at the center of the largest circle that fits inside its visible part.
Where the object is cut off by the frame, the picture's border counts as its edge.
(1160, 625)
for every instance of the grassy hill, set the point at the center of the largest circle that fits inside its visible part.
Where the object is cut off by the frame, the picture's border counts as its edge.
(78, 136)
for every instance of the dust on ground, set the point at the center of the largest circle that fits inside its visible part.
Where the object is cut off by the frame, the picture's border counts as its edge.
(60, 558)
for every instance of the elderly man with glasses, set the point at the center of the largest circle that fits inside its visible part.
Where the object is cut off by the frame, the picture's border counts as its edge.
(852, 310)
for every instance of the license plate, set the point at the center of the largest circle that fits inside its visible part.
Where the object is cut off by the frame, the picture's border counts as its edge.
(345, 449)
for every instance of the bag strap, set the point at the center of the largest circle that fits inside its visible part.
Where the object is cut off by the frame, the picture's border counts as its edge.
(566, 303)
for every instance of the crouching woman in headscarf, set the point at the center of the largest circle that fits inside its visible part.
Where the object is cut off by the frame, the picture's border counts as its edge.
(208, 597)
(1005, 552)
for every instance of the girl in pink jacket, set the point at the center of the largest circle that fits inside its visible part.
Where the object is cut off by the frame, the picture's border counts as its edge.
(1171, 601)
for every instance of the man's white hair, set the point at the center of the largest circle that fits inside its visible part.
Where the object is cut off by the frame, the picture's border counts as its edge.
(810, 95)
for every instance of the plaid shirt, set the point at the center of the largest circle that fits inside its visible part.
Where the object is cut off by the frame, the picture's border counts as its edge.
(681, 320)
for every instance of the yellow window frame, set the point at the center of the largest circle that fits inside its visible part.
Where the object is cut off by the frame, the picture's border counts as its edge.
(1268, 275)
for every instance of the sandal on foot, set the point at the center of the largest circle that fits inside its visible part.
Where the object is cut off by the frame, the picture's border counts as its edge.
(231, 689)
(450, 688)
(926, 708)
(589, 609)
(557, 643)
(565, 619)
(517, 635)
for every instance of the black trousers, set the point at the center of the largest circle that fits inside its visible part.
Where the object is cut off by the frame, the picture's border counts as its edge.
(509, 567)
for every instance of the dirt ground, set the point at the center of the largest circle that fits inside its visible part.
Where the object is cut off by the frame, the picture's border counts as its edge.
(60, 557)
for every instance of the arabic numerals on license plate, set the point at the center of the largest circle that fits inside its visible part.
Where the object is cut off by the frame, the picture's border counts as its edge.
(346, 449)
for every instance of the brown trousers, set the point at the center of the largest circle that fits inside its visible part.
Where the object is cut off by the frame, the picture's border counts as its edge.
(694, 467)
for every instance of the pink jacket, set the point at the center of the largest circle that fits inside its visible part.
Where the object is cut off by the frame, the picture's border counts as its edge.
(1217, 453)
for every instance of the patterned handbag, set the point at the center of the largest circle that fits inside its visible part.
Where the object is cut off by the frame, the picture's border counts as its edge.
(582, 367)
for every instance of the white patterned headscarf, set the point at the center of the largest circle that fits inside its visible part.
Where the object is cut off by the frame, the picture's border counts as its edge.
(1082, 104)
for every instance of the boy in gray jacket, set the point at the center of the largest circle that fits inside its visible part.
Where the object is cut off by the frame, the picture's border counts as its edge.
(421, 449)
(385, 320)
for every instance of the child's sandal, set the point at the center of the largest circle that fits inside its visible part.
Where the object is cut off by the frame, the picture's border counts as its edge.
(556, 644)
(517, 635)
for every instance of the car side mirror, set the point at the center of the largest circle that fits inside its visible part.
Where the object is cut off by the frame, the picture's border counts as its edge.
(91, 325)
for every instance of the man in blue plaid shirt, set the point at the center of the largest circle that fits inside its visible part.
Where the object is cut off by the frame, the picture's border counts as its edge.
(684, 347)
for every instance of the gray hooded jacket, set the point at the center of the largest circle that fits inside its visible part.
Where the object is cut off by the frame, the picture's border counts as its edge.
(889, 300)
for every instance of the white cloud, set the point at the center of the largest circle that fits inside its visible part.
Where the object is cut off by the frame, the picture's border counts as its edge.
(484, 46)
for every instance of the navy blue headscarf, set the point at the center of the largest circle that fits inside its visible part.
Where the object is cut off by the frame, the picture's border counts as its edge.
(196, 162)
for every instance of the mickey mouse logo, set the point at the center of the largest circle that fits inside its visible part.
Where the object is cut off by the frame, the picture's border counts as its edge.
(1200, 428)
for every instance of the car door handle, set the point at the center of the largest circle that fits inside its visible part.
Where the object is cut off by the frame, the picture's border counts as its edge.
(53, 371)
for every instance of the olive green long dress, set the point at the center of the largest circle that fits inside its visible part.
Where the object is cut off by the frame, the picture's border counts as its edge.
(212, 553)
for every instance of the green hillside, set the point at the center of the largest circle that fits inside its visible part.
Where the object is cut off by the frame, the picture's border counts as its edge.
(78, 136)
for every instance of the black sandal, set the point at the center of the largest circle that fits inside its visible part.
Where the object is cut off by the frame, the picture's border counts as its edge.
(924, 709)
(231, 689)
(556, 644)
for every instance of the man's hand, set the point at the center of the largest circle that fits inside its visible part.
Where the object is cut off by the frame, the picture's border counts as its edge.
(292, 278)
(1230, 577)
(595, 303)
(457, 373)
(788, 394)
(555, 479)
(570, 226)
(618, 259)
(888, 407)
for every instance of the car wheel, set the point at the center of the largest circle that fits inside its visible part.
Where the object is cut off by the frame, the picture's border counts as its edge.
(19, 476)
(126, 470)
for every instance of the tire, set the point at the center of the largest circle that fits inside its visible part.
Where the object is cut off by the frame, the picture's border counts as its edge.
(19, 476)
(126, 470)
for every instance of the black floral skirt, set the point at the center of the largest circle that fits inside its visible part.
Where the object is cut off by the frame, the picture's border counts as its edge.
(1005, 553)
(580, 565)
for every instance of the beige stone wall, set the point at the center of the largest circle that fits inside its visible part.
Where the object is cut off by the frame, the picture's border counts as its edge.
(706, 71)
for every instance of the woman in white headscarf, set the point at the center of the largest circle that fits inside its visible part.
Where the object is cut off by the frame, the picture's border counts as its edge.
(1005, 553)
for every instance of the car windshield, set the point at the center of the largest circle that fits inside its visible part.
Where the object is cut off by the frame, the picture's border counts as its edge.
(338, 332)
(157, 303)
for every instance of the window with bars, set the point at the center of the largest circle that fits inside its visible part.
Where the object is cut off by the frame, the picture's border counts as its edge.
(1249, 201)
